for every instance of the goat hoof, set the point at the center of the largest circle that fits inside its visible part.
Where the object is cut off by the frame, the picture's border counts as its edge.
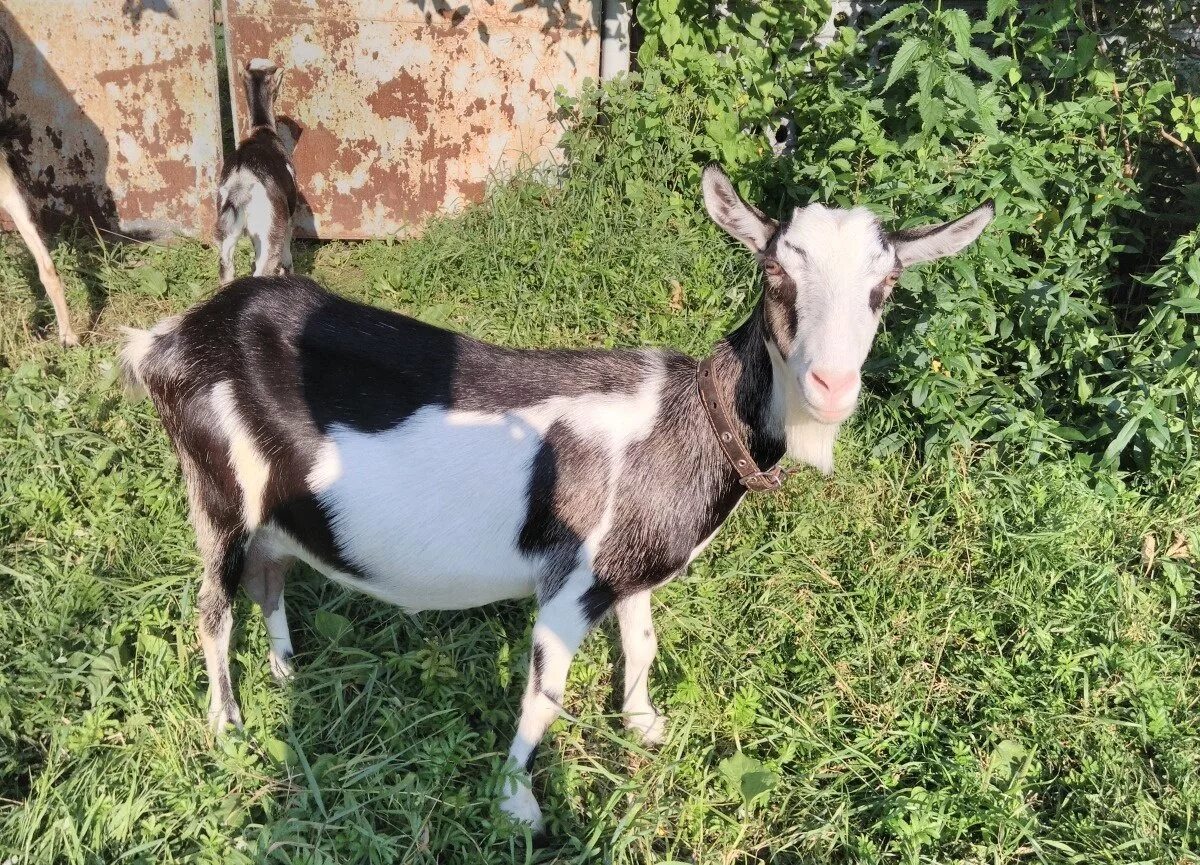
(68, 339)
(650, 727)
(521, 806)
(281, 667)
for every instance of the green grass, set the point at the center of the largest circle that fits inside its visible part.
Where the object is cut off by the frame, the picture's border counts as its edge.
(944, 660)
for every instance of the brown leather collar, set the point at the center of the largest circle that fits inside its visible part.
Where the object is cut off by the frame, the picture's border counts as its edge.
(749, 474)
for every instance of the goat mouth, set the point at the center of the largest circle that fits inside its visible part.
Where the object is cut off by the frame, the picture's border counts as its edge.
(824, 416)
(829, 417)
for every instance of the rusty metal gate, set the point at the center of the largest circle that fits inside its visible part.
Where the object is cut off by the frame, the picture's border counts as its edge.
(121, 105)
(406, 108)
(399, 109)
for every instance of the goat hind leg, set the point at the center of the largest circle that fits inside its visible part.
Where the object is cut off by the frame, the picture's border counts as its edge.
(229, 228)
(285, 257)
(269, 232)
(12, 200)
(223, 554)
(221, 540)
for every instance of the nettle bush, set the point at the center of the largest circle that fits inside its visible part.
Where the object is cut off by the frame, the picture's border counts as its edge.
(1065, 331)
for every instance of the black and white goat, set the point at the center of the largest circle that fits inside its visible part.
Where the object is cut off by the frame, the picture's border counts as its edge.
(14, 200)
(434, 471)
(258, 185)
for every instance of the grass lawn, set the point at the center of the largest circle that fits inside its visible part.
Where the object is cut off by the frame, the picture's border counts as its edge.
(915, 660)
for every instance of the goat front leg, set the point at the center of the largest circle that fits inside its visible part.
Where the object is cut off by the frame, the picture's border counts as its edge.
(639, 645)
(12, 200)
(561, 625)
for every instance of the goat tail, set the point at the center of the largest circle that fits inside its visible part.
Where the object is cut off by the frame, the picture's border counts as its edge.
(232, 199)
(137, 347)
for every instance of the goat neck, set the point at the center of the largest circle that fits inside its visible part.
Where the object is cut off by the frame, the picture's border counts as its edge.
(744, 378)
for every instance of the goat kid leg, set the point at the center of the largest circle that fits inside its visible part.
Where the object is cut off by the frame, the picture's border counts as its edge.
(639, 645)
(263, 581)
(267, 227)
(268, 257)
(13, 202)
(229, 228)
(560, 628)
(285, 258)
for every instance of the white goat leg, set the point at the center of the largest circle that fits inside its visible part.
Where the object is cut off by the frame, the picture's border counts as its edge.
(263, 581)
(557, 633)
(639, 645)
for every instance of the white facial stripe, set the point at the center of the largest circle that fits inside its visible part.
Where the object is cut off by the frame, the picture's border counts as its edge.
(836, 258)
(842, 246)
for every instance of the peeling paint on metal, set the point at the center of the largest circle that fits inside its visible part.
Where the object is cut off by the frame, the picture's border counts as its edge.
(407, 108)
(136, 146)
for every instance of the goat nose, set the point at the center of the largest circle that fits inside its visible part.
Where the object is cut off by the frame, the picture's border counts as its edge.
(833, 383)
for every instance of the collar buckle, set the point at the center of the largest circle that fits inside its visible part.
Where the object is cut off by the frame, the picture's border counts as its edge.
(764, 482)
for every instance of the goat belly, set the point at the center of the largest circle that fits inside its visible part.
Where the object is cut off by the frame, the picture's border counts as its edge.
(454, 509)
(429, 512)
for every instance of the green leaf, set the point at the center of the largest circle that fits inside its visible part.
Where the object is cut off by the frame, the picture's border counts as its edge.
(330, 625)
(747, 778)
(1069, 434)
(281, 752)
(1193, 269)
(912, 50)
(1118, 444)
(1027, 183)
(150, 281)
(1186, 305)
(671, 30)
(996, 8)
(668, 7)
(1082, 386)
(904, 11)
(963, 90)
(959, 25)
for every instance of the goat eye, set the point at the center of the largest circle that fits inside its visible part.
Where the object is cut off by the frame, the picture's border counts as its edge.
(881, 292)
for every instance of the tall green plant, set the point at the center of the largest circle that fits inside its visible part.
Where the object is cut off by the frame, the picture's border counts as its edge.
(1071, 116)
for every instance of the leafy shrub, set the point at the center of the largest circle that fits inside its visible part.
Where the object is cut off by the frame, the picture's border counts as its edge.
(1056, 334)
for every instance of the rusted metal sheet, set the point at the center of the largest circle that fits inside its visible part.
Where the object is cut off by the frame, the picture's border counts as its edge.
(123, 117)
(406, 108)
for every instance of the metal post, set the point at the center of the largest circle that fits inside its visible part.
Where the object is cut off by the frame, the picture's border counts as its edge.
(614, 44)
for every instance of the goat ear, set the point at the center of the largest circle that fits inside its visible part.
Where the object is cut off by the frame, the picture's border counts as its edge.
(914, 245)
(743, 221)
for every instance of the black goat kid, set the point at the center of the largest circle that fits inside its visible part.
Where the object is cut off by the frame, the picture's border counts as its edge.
(258, 185)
